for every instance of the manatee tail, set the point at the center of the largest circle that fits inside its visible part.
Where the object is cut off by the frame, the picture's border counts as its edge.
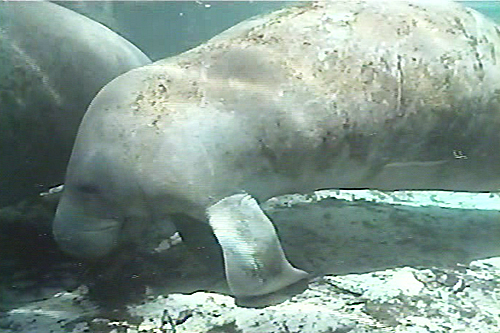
(254, 261)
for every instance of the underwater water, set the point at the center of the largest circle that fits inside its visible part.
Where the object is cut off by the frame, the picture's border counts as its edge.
(180, 235)
(166, 28)
(488, 8)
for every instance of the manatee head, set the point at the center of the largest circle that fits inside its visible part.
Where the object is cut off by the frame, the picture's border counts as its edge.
(100, 209)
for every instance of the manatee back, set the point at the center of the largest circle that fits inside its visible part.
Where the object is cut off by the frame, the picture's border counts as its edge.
(364, 92)
(380, 94)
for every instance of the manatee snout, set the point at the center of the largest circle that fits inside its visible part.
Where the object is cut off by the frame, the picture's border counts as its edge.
(84, 236)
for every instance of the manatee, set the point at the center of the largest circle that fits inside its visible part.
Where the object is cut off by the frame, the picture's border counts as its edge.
(386, 95)
(53, 61)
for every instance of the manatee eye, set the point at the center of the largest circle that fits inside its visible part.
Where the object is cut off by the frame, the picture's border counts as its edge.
(88, 189)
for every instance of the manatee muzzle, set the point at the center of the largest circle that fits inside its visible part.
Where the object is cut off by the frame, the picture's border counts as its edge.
(85, 236)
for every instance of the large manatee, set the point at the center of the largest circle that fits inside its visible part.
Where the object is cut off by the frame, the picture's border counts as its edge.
(52, 63)
(333, 94)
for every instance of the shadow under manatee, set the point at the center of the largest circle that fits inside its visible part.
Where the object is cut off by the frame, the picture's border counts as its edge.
(136, 270)
(332, 236)
(329, 236)
(336, 236)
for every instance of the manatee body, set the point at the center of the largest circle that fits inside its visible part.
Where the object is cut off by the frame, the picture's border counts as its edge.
(369, 94)
(52, 63)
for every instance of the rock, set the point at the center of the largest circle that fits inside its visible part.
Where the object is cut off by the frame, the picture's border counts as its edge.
(465, 299)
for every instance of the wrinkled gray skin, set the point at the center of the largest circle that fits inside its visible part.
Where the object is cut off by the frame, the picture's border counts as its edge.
(384, 95)
(52, 63)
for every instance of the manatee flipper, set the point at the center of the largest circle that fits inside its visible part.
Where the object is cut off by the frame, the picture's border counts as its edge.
(254, 261)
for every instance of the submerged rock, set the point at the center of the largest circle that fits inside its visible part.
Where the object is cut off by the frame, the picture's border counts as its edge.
(405, 299)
